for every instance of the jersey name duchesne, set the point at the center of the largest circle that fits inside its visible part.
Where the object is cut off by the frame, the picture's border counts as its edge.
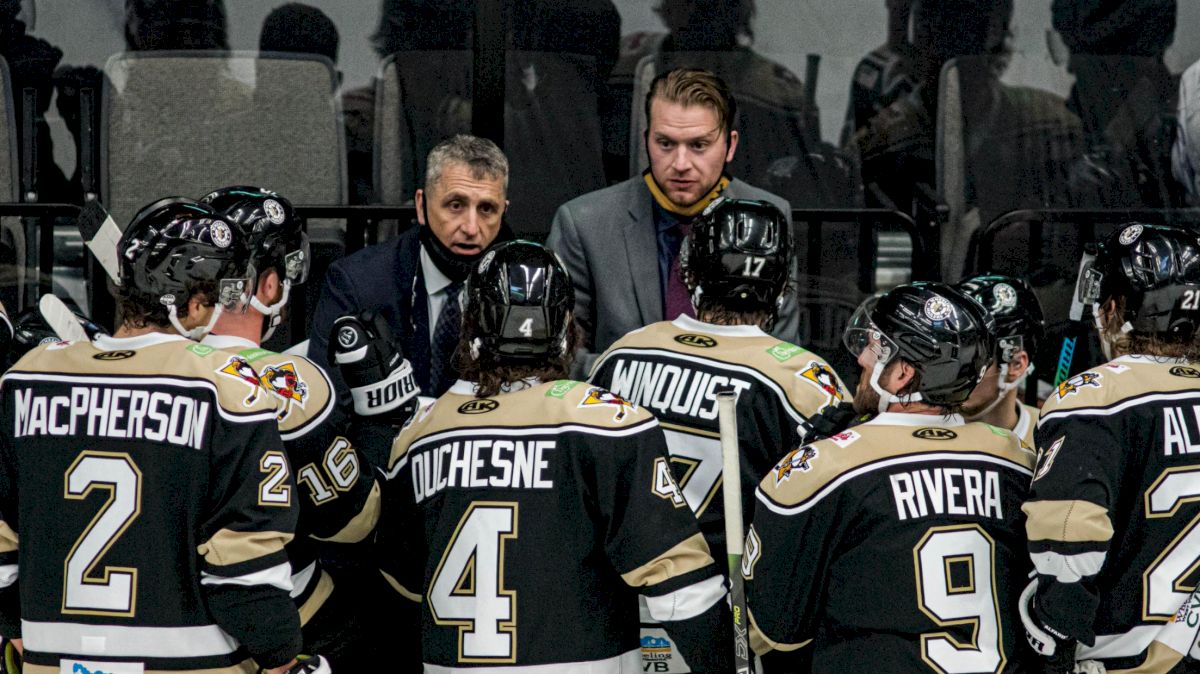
(906, 533)
(151, 479)
(529, 522)
(338, 495)
(1113, 510)
(676, 368)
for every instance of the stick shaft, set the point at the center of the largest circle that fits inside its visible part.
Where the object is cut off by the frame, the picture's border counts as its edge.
(731, 480)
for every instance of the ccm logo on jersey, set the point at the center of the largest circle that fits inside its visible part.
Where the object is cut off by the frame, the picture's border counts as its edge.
(798, 459)
(1072, 385)
(597, 396)
(480, 406)
(935, 434)
(701, 341)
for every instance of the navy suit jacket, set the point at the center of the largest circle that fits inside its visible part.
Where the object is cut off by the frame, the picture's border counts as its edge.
(386, 278)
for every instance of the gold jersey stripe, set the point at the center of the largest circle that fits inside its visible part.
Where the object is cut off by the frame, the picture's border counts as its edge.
(228, 547)
(762, 645)
(1067, 521)
(8, 538)
(688, 556)
(363, 523)
(1160, 659)
(317, 599)
(411, 596)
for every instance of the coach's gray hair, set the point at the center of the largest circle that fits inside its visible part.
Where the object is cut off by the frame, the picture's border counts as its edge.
(481, 155)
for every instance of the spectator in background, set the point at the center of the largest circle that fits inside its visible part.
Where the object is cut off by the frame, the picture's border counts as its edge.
(175, 24)
(1125, 97)
(1186, 155)
(299, 28)
(884, 75)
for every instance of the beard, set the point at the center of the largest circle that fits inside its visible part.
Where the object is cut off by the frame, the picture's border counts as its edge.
(866, 398)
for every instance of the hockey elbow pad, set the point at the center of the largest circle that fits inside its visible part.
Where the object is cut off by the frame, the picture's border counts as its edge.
(380, 378)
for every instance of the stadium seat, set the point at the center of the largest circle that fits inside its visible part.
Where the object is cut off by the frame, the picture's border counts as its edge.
(13, 270)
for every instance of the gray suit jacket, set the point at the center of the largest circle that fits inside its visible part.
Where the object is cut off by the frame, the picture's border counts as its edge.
(607, 241)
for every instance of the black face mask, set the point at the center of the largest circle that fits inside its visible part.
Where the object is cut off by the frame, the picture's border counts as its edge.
(456, 267)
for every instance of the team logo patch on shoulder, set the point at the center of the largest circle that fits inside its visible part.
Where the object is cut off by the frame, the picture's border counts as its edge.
(799, 459)
(239, 368)
(1185, 371)
(114, 355)
(935, 434)
(597, 396)
(820, 375)
(285, 382)
(938, 309)
(1045, 458)
(698, 341)
(478, 406)
(1079, 381)
(845, 438)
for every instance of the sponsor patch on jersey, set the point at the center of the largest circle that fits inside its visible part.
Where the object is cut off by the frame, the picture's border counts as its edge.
(114, 355)
(561, 388)
(698, 341)
(239, 368)
(1185, 371)
(845, 438)
(478, 406)
(200, 349)
(1130, 234)
(1189, 612)
(799, 459)
(88, 667)
(57, 344)
(1045, 458)
(938, 308)
(1119, 368)
(1074, 384)
(285, 382)
(784, 351)
(658, 653)
(821, 376)
(935, 434)
(597, 396)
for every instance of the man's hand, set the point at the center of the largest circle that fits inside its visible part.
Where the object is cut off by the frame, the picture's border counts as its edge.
(1057, 650)
(380, 379)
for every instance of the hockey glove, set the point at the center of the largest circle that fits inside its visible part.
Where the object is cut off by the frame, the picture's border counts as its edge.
(1056, 649)
(380, 378)
(832, 420)
(309, 664)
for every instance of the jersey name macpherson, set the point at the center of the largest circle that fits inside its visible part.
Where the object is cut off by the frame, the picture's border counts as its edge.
(112, 413)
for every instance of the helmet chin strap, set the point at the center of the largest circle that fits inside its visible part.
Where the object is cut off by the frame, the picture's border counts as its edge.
(1107, 344)
(886, 398)
(273, 312)
(199, 332)
(1003, 388)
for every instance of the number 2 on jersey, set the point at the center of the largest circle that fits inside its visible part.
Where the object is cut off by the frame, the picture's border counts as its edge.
(955, 567)
(467, 589)
(113, 591)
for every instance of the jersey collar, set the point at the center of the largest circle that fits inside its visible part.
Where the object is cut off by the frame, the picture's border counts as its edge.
(226, 342)
(110, 343)
(1138, 358)
(689, 324)
(463, 387)
(908, 419)
(1024, 420)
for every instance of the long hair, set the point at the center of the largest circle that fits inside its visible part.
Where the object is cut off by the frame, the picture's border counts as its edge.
(491, 373)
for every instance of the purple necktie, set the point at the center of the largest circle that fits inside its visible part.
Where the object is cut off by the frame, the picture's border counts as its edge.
(677, 299)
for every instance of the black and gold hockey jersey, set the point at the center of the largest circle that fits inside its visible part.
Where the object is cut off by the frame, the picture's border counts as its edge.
(528, 524)
(676, 368)
(339, 498)
(1113, 512)
(152, 500)
(895, 546)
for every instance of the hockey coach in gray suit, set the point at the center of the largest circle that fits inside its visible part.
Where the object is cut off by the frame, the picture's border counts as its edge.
(621, 244)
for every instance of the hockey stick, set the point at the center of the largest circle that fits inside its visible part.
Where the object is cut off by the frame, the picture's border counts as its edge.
(731, 478)
(101, 235)
(1075, 327)
(61, 320)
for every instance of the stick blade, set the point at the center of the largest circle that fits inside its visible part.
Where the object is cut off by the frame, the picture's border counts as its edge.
(61, 319)
(101, 235)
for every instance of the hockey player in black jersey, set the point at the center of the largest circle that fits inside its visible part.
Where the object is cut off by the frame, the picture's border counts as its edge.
(896, 546)
(1112, 511)
(1020, 329)
(527, 512)
(339, 498)
(148, 490)
(735, 262)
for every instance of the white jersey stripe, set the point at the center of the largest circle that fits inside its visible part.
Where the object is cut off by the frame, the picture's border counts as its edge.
(626, 663)
(688, 602)
(126, 642)
(279, 576)
(882, 465)
(301, 579)
(8, 575)
(1068, 568)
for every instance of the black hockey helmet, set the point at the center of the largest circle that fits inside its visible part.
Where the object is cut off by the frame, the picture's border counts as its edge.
(947, 336)
(1020, 325)
(1156, 269)
(175, 243)
(521, 297)
(274, 232)
(738, 250)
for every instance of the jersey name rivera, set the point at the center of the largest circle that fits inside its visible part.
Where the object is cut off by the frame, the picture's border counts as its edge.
(112, 413)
